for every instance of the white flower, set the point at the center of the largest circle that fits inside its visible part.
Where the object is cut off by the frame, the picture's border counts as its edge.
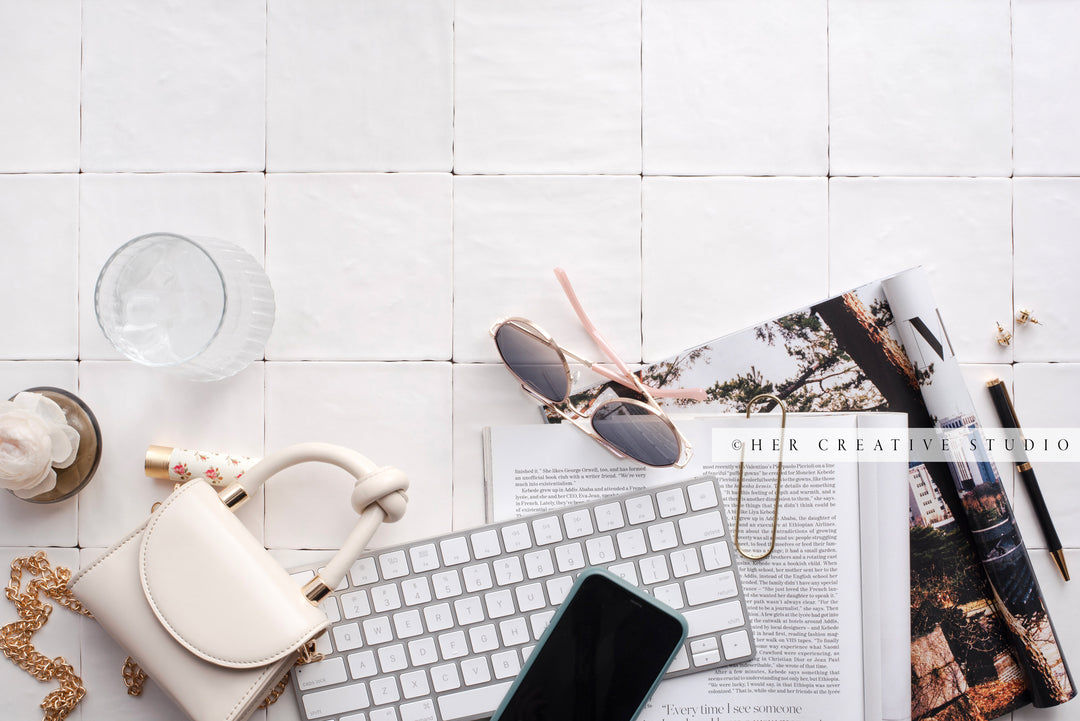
(35, 438)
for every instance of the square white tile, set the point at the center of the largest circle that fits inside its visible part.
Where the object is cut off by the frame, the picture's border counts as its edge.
(549, 86)
(361, 266)
(40, 216)
(1043, 393)
(40, 58)
(396, 414)
(1046, 215)
(174, 86)
(719, 254)
(138, 407)
(735, 88)
(1046, 73)
(360, 85)
(922, 87)
(38, 524)
(485, 395)
(114, 208)
(23, 693)
(958, 229)
(511, 232)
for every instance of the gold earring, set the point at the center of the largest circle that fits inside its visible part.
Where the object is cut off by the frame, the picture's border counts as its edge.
(1024, 316)
(1004, 337)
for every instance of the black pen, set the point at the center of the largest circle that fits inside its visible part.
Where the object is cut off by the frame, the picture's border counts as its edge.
(1007, 414)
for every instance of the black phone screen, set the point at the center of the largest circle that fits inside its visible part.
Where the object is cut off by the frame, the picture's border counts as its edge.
(600, 661)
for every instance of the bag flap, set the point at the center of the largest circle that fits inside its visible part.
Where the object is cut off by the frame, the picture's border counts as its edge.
(216, 589)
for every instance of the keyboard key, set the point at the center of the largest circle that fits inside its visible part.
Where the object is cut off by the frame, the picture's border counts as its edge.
(508, 571)
(506, 664)
(320, 673)
(330, 608)
(662, 536)
(516, 537)
(705, 658)
(416, 591)
(626, 572)
(322, 644)
(711, 619)
(414, 684)
(385, 598)
(671, 595)
(424, 558)
(530, 597)
(538, 564)
(671, 503)
(702, 645)
(418, 711)
(485, 544)
(362, 665)
(653, 570)
(477, 578)
(393, 565)
(701, 528)
(355, 717)
(438, 617)
(447, 584)
(475, 670)
(608, 517)
(392, 658)
(455, 551)
(384, 714)
(681, 662)
(499, 603)
(514, 632)
(736, 644)
(422, 651)
(578, 523)
(570, 558)
(483, 638)
(547, 530)
(453, 645)
(377, 630)
(472, 702)
(469, 610)
(384, 690)
(363, 572)
(445, 678)
(715, 555)
(684, 562)
(601, 550)
(525, 651)
(407, 624)
(540, 621)
(705, 589)
(702, 495)
(639, 510)
(631, 543)
(347, 637)
(355, 604)
(557, 588)
(337, 700)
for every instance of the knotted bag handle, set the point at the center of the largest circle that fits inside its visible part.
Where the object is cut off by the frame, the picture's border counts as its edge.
(379, 495)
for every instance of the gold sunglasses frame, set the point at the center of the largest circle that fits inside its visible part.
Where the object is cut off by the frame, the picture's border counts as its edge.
(583, 419)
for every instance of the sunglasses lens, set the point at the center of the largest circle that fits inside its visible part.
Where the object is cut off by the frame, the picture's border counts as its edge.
(635, 431)
(536, 364)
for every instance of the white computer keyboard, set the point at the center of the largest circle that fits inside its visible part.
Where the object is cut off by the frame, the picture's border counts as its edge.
(437, 630)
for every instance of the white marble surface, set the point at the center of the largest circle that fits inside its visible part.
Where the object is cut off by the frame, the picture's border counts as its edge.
(409, 172)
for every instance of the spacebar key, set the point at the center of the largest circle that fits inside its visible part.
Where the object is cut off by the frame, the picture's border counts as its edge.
(474, 702)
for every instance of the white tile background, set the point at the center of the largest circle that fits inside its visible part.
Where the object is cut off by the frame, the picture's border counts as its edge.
(410, 171)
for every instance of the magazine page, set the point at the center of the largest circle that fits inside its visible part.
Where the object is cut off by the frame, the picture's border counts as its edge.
(808, 625)
(998, 543)
(844, 354)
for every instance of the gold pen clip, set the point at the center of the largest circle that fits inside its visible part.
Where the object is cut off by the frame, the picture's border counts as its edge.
(779, 471)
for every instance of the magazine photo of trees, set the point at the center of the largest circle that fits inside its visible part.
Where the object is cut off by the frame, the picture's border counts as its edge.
(981, 640)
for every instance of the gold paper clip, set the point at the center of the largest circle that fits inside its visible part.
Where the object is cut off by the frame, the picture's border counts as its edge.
(779, 470)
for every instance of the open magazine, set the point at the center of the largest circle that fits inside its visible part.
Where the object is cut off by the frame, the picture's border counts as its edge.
(982, 643)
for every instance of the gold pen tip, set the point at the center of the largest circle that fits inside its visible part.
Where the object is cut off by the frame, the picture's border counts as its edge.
(1059, 559)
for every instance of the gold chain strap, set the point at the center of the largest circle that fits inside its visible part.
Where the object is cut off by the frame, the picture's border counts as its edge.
(15, 638)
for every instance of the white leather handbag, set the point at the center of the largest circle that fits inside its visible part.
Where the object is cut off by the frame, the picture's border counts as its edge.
(201, 605)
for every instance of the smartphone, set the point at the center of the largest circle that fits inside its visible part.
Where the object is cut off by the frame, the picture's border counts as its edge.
(600, 658)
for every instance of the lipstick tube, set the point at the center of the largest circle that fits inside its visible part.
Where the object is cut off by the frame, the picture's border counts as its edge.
(180, 465)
